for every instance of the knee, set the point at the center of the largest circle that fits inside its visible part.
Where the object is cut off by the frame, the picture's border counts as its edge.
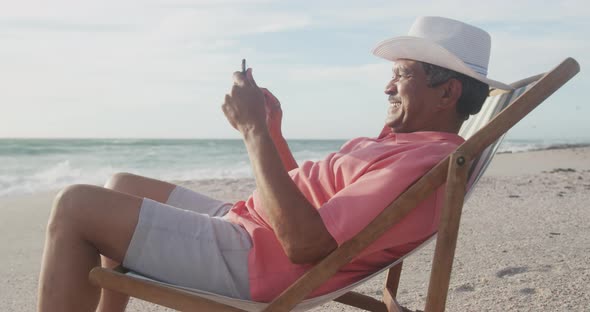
(66, 206)
(120, 181)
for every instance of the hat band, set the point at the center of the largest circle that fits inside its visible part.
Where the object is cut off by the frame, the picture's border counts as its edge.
(478, 69)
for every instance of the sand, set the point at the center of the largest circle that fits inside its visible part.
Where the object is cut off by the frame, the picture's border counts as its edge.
(524, 242)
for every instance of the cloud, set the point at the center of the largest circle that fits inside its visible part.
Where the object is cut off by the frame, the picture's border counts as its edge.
(516, 55)
(47, 25)
(466, 10)
(226, 22)
(358, 73)
(71, 60)
(209, 3)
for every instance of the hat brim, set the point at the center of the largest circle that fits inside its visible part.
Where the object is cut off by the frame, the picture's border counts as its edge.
(419, 49)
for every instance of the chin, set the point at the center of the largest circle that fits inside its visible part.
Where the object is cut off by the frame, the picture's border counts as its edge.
(392, 124)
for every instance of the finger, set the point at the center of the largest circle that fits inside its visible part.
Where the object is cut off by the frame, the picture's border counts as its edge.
(227, 110)
(268, 106)
(229, 116)
(270, 97)
(275, 101)
(250, 77)
(266, 93)
(225, 105)
(239, 79)
(272, 101)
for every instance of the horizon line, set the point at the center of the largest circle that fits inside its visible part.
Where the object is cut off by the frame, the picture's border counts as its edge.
(586, 139)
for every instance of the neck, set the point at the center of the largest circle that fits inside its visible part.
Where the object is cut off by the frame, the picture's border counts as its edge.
(447, 122)
(451, 127)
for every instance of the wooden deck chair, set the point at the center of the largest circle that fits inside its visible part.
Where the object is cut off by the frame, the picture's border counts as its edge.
(460, 170)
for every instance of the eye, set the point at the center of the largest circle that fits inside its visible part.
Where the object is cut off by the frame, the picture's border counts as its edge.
(404, 75)
(400, 75)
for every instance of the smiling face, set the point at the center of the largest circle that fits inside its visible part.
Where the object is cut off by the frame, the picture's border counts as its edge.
(413, 106)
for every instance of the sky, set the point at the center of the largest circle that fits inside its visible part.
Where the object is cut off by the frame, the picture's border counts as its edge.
(161, 68)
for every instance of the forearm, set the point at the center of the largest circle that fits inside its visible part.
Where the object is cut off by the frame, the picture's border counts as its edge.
(285, 153)
(297, 224)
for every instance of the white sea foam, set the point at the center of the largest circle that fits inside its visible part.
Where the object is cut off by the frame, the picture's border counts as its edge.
(31, 166)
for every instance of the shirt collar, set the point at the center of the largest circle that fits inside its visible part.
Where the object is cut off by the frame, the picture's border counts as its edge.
(420, 136)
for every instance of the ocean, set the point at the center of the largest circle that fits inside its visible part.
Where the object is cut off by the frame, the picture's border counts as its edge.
(37, 165)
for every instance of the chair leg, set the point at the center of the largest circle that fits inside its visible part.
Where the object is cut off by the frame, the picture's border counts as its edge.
(448, 231)
(392, 281)
(391, 287)
(392, 304)
(389, 302)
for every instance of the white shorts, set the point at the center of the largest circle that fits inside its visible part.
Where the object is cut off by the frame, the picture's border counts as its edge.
(186, 242)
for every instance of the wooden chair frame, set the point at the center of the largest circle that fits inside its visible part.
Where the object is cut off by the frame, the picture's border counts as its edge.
(453, 170)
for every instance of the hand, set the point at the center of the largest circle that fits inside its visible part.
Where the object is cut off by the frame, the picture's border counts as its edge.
(244, 106)
(274, 113)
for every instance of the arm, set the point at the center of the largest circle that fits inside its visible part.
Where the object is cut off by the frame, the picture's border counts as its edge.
(296, 223)
(274, 115)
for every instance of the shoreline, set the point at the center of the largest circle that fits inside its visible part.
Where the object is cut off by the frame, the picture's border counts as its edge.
(59, 175)
(558, 146)
(523, 242)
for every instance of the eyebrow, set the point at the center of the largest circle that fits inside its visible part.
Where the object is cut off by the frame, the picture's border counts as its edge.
(400, 68)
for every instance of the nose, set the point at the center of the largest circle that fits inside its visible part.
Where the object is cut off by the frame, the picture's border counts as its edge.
(391, 88)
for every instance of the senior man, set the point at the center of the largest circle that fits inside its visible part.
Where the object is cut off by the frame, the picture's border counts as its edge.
(254, 249)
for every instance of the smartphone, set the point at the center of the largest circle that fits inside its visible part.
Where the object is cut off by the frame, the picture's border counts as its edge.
(244, 66)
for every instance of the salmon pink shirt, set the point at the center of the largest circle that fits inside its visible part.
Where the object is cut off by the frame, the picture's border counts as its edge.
(349, 188)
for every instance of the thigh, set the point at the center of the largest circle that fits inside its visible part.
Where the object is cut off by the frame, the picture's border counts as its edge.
(168, 193)
(189, 249)
(140, 186)
(184, 198)
(104, 218)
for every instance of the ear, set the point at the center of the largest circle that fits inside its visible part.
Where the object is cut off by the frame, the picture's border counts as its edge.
(451, 92)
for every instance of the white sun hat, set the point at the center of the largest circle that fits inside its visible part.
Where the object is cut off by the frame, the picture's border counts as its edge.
(446, 43)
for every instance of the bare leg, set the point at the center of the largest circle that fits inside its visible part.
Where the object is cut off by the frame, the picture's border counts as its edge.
(85, 221)
(141, 186)
(111, 301)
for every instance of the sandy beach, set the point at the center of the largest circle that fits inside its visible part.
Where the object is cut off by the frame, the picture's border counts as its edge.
(524, 242)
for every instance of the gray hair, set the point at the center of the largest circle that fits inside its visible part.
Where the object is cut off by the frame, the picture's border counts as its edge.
(474, 91)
